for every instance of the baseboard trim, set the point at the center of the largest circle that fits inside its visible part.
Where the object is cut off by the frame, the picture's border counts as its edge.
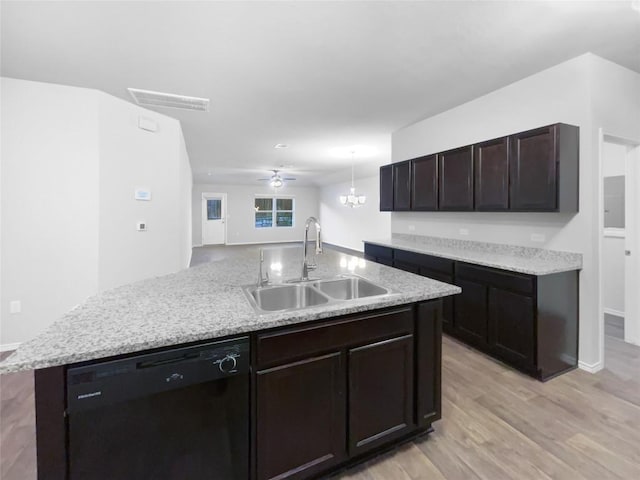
(591, 368)
(197, 245)
(615, 313)
(7, 347)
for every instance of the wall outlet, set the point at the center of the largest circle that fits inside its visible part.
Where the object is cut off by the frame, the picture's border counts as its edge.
(463, 231)
(141, 226)
(15, 306)
(412, 228)
(538, 237)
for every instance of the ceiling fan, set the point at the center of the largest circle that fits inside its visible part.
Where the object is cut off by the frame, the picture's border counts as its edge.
(276, 180)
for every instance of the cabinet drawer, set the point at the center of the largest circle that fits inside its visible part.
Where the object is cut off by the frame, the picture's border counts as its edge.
(301, 342)
(443, 265)
(378, 251)
(517, 282)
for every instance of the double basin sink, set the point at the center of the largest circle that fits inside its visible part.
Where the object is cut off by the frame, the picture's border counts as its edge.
(313, 293)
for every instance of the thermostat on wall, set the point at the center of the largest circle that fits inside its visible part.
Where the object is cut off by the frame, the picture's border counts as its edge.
(142, 194)
(141, 226)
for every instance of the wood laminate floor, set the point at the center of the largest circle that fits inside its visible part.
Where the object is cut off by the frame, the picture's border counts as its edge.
(497, 424)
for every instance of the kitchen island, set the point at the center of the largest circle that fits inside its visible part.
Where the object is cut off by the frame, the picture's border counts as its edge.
(378, 356)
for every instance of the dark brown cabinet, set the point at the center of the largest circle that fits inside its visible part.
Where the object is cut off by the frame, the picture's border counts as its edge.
(529, 322)
(511, 330)
(402, 186)
(386, 188)
(309, 393)
(424, 183)
(380, 392)
(331, 391)
(532, 171)
(379, 254)
(491, 175)
(544, 169)
(455, 186)
(470, 309)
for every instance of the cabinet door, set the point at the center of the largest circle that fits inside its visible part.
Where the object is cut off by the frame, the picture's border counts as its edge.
(386, 188)
(424, 183)
(402, 186)
(407, 267)
(456, 179)
(300, 412)
(428, 363)
(511, 327)
(380, 393)
(534, 170)
(471, 312)
(491, 172)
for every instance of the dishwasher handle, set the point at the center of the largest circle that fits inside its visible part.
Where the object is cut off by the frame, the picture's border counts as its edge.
(158, 363)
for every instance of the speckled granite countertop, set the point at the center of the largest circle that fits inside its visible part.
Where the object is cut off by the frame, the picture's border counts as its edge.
(204, 302)
(534, 261)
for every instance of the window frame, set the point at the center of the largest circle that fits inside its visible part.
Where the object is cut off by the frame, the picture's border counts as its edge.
(274, 210)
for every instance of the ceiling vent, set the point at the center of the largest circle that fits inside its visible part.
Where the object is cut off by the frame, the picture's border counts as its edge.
(158, 99)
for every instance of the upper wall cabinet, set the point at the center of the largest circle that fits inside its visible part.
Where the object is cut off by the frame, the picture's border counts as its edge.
(491, 175)
(386, 188)
(532, 171)
(544, 169)
(402, 185)
(424, 183)
(455, 173)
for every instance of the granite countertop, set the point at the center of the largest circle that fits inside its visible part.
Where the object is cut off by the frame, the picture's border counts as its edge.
(204, 302)
(534, 261)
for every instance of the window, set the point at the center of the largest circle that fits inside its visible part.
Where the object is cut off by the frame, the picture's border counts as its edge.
(274, 212)
(214, 209)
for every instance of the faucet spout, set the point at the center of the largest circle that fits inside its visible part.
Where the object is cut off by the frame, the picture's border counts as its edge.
(306, 266)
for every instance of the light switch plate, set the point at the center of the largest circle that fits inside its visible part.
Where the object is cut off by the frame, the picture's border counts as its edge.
(15, 306)
(463, 231)
(538, 237)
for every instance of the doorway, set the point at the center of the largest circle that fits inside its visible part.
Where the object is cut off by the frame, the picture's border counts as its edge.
(214, 227)
(619, 247)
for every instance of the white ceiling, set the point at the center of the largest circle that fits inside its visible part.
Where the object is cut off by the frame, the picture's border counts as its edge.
(317, 76)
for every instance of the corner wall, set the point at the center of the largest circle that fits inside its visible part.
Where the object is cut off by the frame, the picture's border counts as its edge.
(560, 94)
(50, 162)
(240, 219)
(71, 159)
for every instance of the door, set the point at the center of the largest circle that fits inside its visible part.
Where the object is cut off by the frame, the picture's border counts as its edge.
(300, 418)
(380, 393)
(491, 172)
(533, 164)
(424, 183)
(511, 327)
(470, 312)
(402, 186)
(213, 218)
(386, 188)
(455, 171)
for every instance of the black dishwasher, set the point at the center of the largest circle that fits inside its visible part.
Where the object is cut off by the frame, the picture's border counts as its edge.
(178, 414)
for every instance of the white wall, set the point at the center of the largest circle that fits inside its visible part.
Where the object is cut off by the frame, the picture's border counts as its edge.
(240, 219)
(560, 94)
(49, 203)
(71, 159)
(348, 227)
(131, 158)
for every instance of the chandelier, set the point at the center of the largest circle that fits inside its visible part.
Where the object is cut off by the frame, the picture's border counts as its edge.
(351, 199)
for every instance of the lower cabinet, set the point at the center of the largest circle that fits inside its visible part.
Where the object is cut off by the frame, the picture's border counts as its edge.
(294, 400)
(328, 393)
(380, 392)
(527, 321)
(470, 318)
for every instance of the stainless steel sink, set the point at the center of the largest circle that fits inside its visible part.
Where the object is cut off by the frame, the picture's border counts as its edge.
(285, 297)
(294, 296)
(349, 287)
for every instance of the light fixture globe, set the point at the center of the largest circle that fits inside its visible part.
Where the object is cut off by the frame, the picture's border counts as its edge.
(276, 182)
(352, 199)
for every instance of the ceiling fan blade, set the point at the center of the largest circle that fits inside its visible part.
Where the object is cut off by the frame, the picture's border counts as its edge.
(288, 178)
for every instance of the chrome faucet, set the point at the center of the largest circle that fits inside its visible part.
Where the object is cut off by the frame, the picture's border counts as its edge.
(306, 266)
(262, 281)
